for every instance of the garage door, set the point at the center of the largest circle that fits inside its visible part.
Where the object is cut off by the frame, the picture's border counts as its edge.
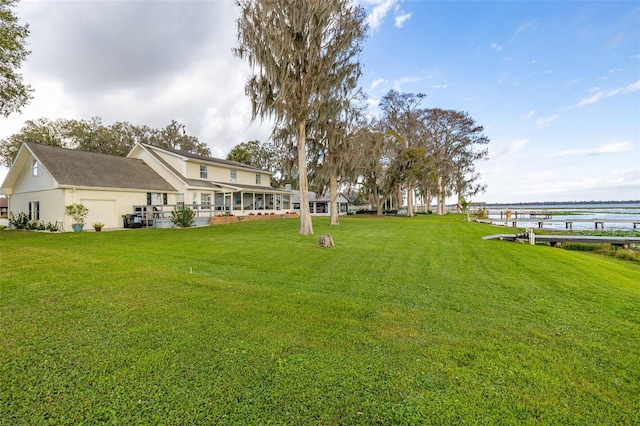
(101, 211)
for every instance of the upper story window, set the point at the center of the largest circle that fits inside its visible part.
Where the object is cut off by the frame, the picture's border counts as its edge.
(203, 171)
(234, 175)
(258, 179)
(34, 168)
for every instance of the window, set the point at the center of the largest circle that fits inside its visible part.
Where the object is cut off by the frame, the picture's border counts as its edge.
(234, 175)
(194, 199)
(156, 198)
(34, 168)
(205, 200)
(203, 171)
(258, 179)
(180, 200)
(34, 210)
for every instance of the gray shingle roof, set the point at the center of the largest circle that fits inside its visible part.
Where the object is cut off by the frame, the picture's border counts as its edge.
(88, 169)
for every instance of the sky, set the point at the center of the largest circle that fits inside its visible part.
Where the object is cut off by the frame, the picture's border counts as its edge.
(555, 84)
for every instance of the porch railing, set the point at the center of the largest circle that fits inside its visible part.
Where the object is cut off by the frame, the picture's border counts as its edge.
(145, 215)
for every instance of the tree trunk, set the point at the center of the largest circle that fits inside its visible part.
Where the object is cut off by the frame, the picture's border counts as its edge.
(306, 227)
(378, 201)
(333, 203)
(441, 209)
(410, 199)
(427, 201)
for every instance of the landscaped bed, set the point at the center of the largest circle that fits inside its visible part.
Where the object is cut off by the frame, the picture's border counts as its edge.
(403, 321)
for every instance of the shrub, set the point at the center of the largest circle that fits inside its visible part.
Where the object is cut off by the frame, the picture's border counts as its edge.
(182, 217)
(36, 226)
(19, 221)
(77, 211)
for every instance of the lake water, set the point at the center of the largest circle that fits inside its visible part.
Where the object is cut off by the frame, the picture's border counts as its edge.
(592, 211)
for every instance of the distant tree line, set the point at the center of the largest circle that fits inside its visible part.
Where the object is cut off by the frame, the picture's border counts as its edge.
(93, 136)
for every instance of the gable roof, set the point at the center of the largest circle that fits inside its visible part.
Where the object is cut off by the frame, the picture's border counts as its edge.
(71, 167)
(200, 183)
(206, 159)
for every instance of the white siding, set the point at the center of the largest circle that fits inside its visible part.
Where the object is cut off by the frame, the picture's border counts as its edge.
(26, 182)
(104, 211)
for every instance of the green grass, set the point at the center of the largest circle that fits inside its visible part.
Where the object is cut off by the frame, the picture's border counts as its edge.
(404, 321)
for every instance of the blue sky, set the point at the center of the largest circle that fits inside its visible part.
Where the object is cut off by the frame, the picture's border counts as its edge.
(556, 85)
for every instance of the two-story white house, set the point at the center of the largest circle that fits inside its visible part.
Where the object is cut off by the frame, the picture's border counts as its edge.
(141, 188)
(212, 186)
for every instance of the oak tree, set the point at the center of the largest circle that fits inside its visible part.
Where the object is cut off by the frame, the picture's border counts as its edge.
(14, 93)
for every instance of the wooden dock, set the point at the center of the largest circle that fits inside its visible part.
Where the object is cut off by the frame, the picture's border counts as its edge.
(558, 240)
(530, 214)
(568, 223)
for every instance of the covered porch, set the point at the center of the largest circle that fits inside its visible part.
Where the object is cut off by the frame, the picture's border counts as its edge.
(238, 200)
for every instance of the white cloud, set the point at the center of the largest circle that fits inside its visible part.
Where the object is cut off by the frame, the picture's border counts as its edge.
(600, 94)
(377, 83)
(495, 46)
(379, 12)
(382, 8)
(610, 148)
(545, 121)
(525, 27)
(507, 152)
(591, 99)
(631, 87)
(397, 84)
(613, 148)
(518, 144)
(400, 19)
(528, 116)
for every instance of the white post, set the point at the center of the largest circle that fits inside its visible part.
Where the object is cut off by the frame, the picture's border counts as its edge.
(532, 237)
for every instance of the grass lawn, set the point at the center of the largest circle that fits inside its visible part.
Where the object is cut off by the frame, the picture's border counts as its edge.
(404, 321)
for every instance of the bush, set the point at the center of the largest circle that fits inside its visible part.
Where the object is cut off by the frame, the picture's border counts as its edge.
(19, 221)
(36, 225)
(77, 211)
(53, 227)
(182, 217)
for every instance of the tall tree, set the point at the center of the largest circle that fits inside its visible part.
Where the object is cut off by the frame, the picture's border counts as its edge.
(402, 117)
(14, 93)
(376, 153)
(299, 50)
(265, 156)
(175, 136)
(455, 143)
(336, 158)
